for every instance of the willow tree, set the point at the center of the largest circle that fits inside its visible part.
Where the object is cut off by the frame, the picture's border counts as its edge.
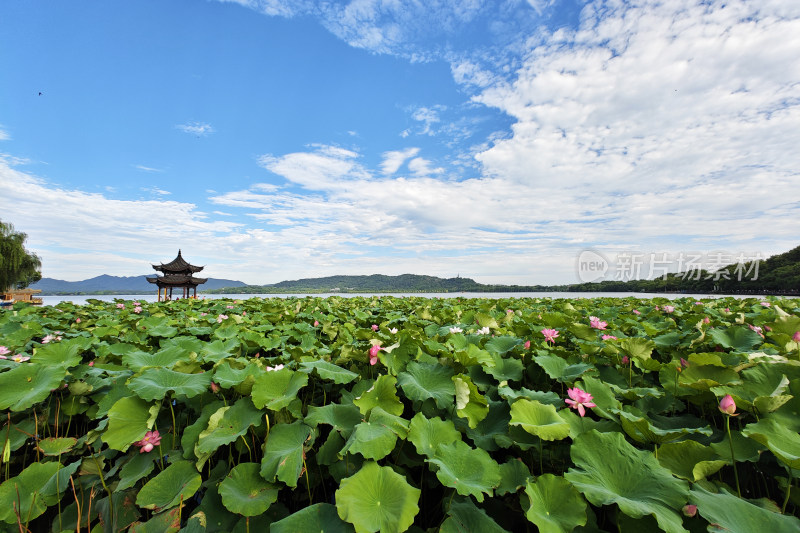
(18, 267)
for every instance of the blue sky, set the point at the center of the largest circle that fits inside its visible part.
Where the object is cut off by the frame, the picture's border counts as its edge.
(274, 140)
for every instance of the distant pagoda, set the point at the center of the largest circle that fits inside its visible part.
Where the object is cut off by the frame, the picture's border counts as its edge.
(177, 274)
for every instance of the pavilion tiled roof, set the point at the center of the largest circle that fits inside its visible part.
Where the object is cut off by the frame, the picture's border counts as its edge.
(177, 265)
(177, 280)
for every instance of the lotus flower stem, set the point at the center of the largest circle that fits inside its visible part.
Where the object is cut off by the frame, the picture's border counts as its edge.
(788, 491)
(174, 429)
(733, 456)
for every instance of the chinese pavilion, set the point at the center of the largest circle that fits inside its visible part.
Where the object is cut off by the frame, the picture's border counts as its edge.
(177, 274)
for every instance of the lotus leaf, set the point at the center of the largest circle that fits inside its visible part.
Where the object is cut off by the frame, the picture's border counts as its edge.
(538, 419)
(276, 390)
(284, 454)
(555, 505)
(737, 515)
(782, 442)
(465, 517)
(317, 517)
(28, 384)
(427, 433)
(245, 492)
(329, 371)
(466, 469)
(421, 381)
(470, 404)
(611, 471)
(128, 420)
(176, 483)
(155, 383)
(383, 394)
(25, 490)
(376, 498)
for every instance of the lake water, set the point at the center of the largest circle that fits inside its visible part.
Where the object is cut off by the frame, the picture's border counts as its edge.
(81, 299)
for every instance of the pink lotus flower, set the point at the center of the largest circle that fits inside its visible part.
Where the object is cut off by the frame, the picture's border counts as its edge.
(684, 363)
(689, 510)
(78, 320)
(757, 329)
(137, 309)
(766, 304)
(669, 309)
(579, 399)
(550, 335)
(49, 338)
(120, 306)
(527, 345)
(608, 338)
(203, 314)
(316, 323)
(637, 312)
(373, 353)
(374, 327)
(214, 387)
(19, 358)
(228, 307)
(796, 336)
(6, 351)
(706, 320)
(727, 405)
(596, 323)
(727, 309)
(136, 304)
(150, 440)
(698, 303)
(483, 331)
(91, 363)
(625, 359)
(220, 318)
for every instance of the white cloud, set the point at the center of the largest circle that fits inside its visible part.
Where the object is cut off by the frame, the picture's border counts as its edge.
(326, 167)
(200, 129)
(4, 135)
(156, 190)
(147, 169)
(393, 160)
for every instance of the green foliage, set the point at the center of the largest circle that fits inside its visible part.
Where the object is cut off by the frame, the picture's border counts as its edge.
(18, 267)
(267, 421)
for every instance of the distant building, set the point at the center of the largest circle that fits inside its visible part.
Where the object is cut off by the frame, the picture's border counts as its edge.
(21, 295)
(178, 274)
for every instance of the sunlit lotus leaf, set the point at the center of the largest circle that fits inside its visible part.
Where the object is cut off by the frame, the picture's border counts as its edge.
(738, 338)
(505, 368)
(383, 394)
(731, 513)
(690, 460)
(128, 420)
(56, 445)
(376, 498)
(227, 332)
(745, 449)
(225, 426)
(764, 386)
(555, 505)
(421, 381)
(486, 321)
(64, 354)
(156, 383)
(25, 491)
(229, 374)
(637, 347)
(329, 371)
(465, 517)
(782, 442)
(492, 433)
(659, 429)
(602, 396)
(703, 377)
(275, 390)
(28, 384)
(470, 404)
(245, 492)
(514, 475)
(317, 517)
(167, 522)
(139, 360)
(372, 440)
(667, 340)
(473, 355)
(538, 419)
(427, 433)
(512, 394)
(178, 482)
(610, 471)
(162, 330)
(196, 524)
(502, 344)
(343, 418)
(283, 453)
(395, 357)
(137, 467)
(466, 469)
(216, 350)
(558, 368)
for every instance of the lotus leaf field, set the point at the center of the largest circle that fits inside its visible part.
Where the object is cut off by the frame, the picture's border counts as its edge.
(401, 414)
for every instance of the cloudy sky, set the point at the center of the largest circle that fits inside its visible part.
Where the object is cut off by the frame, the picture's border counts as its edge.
(283, 139)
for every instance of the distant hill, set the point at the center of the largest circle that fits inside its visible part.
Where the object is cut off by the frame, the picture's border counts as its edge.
(106, 284)
(372, 283)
